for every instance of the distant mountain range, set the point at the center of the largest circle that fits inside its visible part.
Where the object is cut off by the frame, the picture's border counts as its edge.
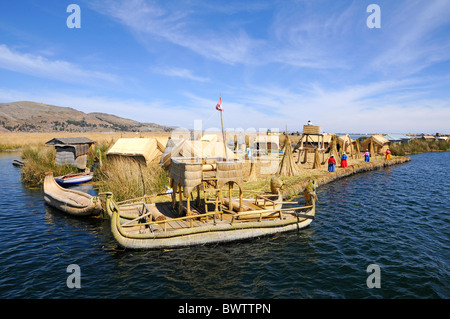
(26, 116)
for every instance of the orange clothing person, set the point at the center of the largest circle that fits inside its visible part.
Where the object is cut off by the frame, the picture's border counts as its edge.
(388, 154)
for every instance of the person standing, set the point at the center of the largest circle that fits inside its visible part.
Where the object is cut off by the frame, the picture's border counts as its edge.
(367, 156)
(388, 154)
(331, 164)
(344, 160)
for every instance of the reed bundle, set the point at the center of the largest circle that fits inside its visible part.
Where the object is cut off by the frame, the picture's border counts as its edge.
(287, 166)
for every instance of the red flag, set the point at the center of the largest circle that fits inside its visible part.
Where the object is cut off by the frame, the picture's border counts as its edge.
(219, 105)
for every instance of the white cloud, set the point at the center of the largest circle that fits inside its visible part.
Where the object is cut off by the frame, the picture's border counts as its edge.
(176, 26)
(413, 37)
(181, 73)
(386, 106)
(40, 66)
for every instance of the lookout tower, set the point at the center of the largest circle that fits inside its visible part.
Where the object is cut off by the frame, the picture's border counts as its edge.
(312, 139)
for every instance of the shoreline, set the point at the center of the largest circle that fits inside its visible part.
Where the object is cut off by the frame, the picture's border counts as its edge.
(341, 172)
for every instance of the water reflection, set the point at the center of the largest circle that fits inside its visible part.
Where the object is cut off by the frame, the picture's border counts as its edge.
(85, 187)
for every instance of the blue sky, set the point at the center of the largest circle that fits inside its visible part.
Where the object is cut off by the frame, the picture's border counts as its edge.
(276, 64)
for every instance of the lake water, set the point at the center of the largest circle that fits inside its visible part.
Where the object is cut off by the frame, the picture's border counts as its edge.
(396, 218)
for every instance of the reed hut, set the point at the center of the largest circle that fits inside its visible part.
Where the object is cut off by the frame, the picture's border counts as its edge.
(71, 150)
(207, 146)
(428, 137)
(378, 142)
(345, 144)
(141, 150)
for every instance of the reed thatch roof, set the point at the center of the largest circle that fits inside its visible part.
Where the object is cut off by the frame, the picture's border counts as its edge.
(376, 144)
(207, 146)
(141, 149)
(376, 139)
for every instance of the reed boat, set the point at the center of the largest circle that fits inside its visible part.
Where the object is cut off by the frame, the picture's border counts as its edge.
(72, 202)
(74, 179)
(188, 221)
(156, 225)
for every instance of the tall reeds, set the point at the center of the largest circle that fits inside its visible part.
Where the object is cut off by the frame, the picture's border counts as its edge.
(9, 147)
(127, 178)
(415, 146)
(39, 160)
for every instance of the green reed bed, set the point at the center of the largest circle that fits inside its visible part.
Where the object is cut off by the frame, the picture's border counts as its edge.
(39, 160)
(125, 178)
(415, 146)
(9, 147)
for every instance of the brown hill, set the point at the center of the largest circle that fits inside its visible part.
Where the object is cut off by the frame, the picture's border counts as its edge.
(26, 116)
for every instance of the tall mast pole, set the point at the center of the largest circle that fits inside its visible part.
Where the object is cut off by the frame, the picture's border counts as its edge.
(223, 132)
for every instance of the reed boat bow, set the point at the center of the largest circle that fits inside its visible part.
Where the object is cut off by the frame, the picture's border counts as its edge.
(73, 202)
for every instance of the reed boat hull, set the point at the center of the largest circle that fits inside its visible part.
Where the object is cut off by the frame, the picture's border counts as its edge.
(210, 233)
(72, 202)
(211, 236)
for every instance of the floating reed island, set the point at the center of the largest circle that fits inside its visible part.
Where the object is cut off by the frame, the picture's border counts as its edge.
(183, 190)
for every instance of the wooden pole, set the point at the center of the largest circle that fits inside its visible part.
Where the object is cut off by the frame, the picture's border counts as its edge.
(180, 199)
(224, 136)
(188, 204)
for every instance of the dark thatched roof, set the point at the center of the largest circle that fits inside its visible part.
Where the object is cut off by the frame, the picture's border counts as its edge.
(69, 141)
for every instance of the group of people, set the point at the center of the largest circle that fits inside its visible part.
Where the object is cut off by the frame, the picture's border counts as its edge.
(332, 160)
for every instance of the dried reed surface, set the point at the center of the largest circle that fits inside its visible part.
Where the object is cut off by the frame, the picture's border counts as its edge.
(294, 185)
(12, 141)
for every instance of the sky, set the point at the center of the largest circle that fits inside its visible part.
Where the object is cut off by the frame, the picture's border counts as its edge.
(274, 64)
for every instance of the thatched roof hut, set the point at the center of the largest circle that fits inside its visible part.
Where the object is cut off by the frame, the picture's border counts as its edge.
(207, 146)
(345, 144)
(378, 142)
(143, 150)
(428, 137)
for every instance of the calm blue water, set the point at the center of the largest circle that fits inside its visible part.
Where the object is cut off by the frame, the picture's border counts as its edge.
(396, 218)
